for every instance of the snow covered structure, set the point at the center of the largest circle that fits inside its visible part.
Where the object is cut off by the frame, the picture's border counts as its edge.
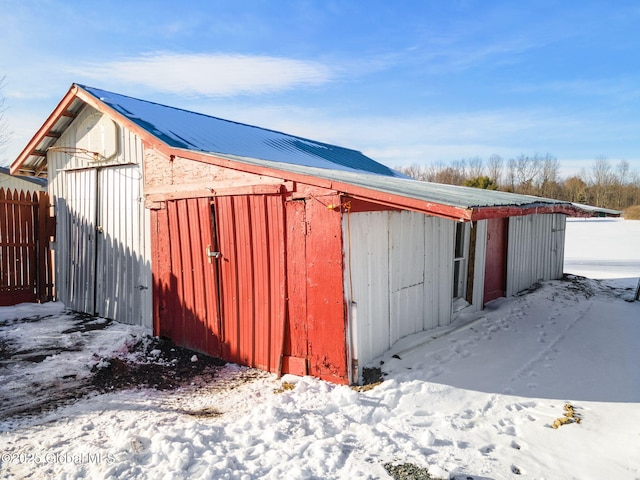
(267, 249)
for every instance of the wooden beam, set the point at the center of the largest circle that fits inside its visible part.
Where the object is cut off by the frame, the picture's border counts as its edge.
(46, 127)
(484, 213)
(260, 189)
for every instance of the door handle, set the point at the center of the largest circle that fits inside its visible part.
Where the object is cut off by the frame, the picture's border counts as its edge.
(211, 254)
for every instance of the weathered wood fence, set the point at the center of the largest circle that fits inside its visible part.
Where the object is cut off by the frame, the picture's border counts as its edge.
(26, 227)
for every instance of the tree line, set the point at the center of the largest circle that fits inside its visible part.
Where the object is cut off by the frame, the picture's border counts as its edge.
(603, 184)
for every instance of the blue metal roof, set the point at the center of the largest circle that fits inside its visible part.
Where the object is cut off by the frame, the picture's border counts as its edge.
(203, 133)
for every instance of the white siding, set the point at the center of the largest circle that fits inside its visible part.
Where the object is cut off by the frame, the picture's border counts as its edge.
(102, 248)
(398, 278)
(536, 250)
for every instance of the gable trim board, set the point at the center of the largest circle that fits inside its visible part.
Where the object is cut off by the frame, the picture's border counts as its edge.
(319, 269)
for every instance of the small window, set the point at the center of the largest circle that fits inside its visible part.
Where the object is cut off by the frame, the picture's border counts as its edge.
(460, 261)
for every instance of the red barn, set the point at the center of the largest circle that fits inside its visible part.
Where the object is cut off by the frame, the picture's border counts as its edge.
(268, 249)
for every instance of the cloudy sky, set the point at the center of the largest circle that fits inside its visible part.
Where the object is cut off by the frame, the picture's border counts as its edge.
(404, 81)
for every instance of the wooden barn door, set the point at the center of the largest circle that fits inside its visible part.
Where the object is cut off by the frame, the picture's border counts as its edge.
(103, 229)
(224, 293)
(495, 272)
(78, 236)
(187, 290)
(251, 238)
(123, 290)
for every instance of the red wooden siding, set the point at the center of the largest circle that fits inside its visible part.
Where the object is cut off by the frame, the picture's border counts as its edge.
(495, 276)
(185, 286)
(25, 259)
(326, 308)
(296, 339)
(252, 270)
(245, 325)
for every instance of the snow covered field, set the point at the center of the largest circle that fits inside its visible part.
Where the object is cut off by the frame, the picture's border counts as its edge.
(475, 403)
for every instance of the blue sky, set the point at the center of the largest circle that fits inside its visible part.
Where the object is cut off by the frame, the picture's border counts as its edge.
(406, 82)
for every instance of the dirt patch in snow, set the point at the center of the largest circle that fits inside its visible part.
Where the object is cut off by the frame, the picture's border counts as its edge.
(33, 385)
(158, 364)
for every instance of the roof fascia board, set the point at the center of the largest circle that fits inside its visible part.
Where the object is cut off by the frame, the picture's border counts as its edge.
(485, 213)
(44, 130)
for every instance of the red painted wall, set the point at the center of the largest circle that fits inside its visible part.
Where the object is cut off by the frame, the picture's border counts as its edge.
(273, 300)
(325, 308)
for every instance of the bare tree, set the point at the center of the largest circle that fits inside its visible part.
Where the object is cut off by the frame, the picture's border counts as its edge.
(601, 178)
(527, 171)
(4, 129)
(549, 186)
(476, 167)
(495, 165)
(511, 175)
(623, 189)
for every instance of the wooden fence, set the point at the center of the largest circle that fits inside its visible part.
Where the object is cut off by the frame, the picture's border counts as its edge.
(26, 228)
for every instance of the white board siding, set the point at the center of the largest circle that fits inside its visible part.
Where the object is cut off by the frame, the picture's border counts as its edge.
(406, 273)
(109, 272)
(536, 250)
(398, 277)
(367, 261)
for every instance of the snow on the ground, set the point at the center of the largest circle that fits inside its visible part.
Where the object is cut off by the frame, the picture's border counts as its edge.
(603, 248)
(475, 401)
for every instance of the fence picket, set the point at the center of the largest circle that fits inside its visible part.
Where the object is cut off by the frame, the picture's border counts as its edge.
(25, 258)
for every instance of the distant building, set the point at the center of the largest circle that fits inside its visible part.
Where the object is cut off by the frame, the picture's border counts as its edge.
(14, 182)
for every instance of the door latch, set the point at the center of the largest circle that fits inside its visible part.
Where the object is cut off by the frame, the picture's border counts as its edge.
(211, 254)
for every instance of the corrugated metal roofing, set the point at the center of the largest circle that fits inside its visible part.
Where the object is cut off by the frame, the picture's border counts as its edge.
(203, 134)
(452, 195)
(195, 131)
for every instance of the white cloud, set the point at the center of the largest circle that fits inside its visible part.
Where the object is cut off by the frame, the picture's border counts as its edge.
(210, 74)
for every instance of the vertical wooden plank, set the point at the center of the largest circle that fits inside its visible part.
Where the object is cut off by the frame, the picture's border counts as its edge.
(4, 272)
(11, 251)
(210, 288)
(42, 256)
(246, 281)
(295, 335)
(326, 309)
(30, 248)
(159, 238)
(195, 328)
(229, 281)
(277, 280)
(177, 269)
(261, 266)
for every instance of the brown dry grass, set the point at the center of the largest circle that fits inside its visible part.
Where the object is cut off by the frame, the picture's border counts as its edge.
(632, 213)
